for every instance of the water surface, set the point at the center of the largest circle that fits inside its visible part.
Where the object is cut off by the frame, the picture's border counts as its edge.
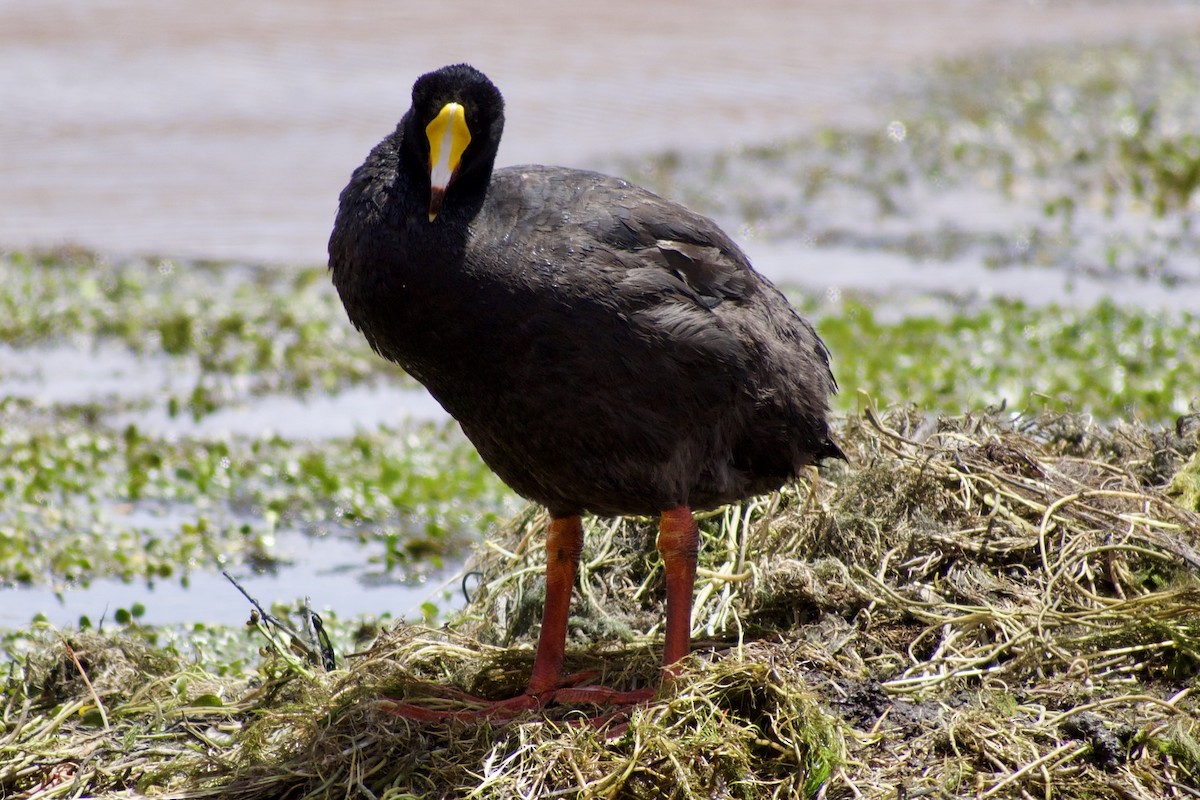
(225, 129)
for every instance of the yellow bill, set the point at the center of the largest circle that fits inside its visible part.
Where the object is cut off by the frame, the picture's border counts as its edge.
(448, 138)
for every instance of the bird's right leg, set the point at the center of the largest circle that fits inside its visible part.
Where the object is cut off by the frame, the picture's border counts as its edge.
(564, 545)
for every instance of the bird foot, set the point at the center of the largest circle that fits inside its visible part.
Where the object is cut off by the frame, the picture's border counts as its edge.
(492, 710)
(616, 703)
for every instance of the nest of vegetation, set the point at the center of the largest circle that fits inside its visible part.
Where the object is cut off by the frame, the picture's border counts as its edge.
(984, 606)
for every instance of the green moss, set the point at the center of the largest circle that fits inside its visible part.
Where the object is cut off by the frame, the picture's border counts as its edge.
(1185, 485)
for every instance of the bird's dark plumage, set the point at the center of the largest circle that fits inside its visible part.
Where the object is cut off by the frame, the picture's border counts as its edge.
(606, 350)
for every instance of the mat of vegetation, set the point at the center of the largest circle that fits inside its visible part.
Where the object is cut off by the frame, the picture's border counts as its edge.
(272, 331)
(980, 605)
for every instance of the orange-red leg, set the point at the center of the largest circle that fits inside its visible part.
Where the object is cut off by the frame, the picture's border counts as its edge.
(678, 542)
(564, 544)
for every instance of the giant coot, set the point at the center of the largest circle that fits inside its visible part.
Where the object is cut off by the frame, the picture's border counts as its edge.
(604, 349)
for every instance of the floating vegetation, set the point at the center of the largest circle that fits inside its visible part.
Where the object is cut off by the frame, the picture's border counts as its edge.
(1015, 614)
(1112, 126)
(79, 502)
(1105, 358)
(242, 330)
(1083, 160)
(1112, 360)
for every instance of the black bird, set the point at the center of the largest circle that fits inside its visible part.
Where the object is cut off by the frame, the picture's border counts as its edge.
(604, 349)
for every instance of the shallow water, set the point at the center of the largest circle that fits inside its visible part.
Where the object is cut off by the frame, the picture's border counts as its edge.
(295, 418)
(66, 374)
(326, 570)
(907, 284)
(226, 129)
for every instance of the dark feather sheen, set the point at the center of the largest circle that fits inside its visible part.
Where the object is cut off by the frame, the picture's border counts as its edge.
(606, 350)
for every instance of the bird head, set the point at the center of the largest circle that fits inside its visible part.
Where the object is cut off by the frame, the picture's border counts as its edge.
(462, 114)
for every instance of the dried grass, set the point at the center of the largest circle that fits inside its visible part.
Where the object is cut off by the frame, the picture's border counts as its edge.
(984, 606)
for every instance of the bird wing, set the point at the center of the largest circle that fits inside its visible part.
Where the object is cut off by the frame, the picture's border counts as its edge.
(683, 253)
(666, 267)
(671, 239)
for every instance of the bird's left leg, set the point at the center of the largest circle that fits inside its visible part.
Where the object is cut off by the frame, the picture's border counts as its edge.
(679, 544)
